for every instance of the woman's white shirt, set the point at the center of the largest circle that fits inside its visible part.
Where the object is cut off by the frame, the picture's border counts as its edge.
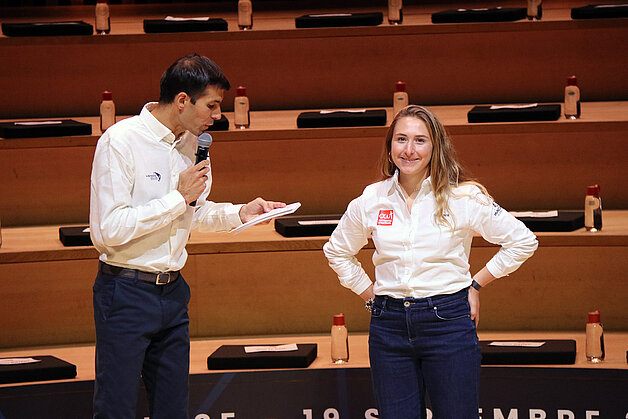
(414, 256)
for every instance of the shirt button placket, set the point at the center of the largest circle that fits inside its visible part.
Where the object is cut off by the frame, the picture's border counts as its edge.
(174, 183)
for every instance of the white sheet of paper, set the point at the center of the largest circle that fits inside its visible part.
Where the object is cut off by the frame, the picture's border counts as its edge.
(602, 6)
(183, 19)
(518, 344)
(484, 9)
(18, 361)
(316, 222)
(38, 123)
(275, 348)
(535, 214)
(332, 15)
(325, 112)
(531, 105)
(277, 212)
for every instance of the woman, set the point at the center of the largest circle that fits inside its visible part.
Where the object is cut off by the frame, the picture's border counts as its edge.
(424, 303)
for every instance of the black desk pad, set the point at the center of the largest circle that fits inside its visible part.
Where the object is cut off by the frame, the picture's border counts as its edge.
(170, 26)
(600, 11)
(554, 351)
(233, 357)
(315, 225)
(484, 113)
(47, 28)
(336, 119)
(65, 128)
(497, 14)
(74, 236)
(50, 368)
(566, 221)
(338, 20)
(221, 125)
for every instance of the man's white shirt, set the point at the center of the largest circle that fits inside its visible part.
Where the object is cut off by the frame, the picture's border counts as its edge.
(138, 219)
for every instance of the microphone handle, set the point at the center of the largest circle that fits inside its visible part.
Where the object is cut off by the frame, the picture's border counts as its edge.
(201, 155)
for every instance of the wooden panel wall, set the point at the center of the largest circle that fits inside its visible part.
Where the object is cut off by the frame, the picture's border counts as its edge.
(285, 292)
(528, 170)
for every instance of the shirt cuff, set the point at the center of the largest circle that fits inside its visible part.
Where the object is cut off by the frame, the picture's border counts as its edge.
(494, 270)
(175, 201)
(233, 215)
(362, 285)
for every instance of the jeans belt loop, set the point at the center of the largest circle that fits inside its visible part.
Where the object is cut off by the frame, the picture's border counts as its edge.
(430, 303)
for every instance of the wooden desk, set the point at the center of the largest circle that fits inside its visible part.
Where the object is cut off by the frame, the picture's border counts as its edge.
(83, 355)
(41, 243)
(259, 283)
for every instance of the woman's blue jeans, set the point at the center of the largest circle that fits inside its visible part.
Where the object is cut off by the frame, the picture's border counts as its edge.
(425, 346)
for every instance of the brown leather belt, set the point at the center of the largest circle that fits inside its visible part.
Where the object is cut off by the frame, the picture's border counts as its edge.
(161, 278)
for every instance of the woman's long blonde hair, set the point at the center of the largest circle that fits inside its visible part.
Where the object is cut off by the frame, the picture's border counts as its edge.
(444, 170)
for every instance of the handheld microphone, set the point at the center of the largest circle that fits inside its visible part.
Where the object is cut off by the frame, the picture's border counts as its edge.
(204, 141)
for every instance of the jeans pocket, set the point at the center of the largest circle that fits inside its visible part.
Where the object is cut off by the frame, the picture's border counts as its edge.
(376, 311)
(104, 292)
(453, 310)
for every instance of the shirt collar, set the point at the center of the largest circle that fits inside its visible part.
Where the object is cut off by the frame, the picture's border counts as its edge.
(394, 183)
(157, 128)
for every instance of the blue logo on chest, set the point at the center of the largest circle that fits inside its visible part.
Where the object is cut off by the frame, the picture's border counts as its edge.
(154, 176)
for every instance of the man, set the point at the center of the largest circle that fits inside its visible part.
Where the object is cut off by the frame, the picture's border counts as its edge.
(143, 181)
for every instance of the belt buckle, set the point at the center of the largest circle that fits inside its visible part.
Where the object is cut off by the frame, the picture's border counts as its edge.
(160, 281)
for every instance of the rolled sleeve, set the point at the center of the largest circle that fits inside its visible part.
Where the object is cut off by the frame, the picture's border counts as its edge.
(345, 242)
(497, 226)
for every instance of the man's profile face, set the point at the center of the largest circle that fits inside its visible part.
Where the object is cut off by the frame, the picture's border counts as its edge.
(197, 117)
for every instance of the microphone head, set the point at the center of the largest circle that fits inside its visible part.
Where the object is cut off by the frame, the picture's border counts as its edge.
(205, 140)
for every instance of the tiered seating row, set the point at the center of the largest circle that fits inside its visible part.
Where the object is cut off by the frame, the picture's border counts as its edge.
(537, 165)
(288, 68)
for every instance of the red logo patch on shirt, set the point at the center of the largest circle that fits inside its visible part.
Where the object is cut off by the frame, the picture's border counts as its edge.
(385, 218)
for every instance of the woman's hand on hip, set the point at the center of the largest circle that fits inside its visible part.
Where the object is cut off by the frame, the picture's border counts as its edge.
(474, 303)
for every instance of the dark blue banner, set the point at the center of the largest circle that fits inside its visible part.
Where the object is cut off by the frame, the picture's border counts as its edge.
(506, 393)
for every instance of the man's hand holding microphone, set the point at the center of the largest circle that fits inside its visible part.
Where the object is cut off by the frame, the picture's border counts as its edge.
(192, 182)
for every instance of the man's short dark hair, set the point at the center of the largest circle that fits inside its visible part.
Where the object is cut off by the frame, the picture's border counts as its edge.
(191, 74)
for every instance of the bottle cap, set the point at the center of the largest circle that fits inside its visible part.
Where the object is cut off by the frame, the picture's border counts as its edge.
(572, 81)
(339, 319)
(594, 316)
(400, 86)
(241, 91)
(106, 95)
(101, 1)
(593, 190)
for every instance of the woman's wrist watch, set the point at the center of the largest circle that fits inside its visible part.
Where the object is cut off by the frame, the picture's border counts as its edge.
(368, 304)
(475, 285)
